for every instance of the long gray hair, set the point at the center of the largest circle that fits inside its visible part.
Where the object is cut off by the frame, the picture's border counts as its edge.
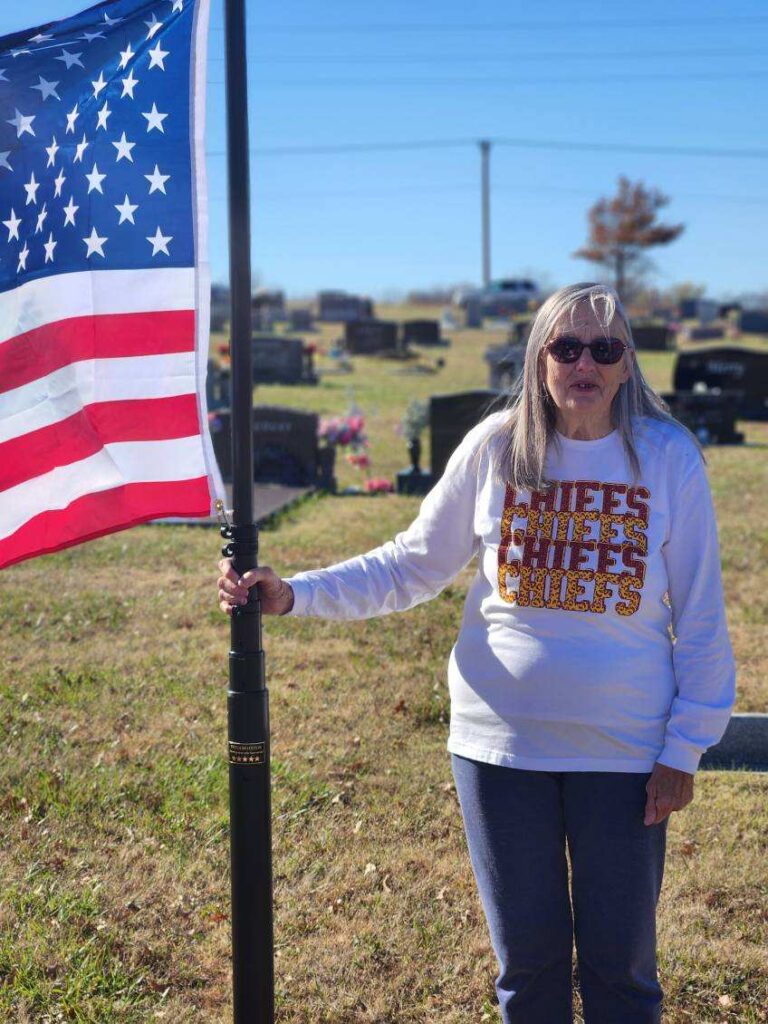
(520, 442)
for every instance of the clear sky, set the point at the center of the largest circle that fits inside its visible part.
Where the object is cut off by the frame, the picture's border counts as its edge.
(686, 74)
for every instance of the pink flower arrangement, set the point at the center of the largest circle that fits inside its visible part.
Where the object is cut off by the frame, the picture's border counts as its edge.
(378, 485)
(345, 431)
(361, 460)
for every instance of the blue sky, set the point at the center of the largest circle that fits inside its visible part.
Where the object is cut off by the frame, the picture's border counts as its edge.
(681, 74)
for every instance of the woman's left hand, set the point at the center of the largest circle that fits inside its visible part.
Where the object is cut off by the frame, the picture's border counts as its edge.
(668, 789)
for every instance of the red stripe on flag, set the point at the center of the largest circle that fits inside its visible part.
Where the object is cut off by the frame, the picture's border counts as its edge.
(95, 515)
(29, 356)
(86, 432)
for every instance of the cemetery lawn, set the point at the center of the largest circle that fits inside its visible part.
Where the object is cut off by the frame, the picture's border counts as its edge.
(114, 892)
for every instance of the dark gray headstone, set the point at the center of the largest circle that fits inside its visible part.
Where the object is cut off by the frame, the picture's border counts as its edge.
(744, 745)
(367, 337)
(705, 334)
(754, 321)
(452, 416)
(651, 336)
(505, 364)
(285, 446)
(300, 319)
(743, 372)
(422, 332)
(710, 416)
(344, 308)
(280, 360)
(473, 312)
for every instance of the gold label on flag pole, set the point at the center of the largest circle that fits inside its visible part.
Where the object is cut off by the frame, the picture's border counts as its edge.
(247, 753)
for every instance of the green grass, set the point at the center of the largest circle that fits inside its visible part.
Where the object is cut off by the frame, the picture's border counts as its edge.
(114, 891)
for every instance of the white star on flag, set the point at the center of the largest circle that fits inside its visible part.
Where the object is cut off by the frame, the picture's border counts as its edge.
(69, 211)
(2, 75)
(4, 160)
(160, 242)
(155, 119)
(46, 88)
(157, 181)
(103, 114)
(153, 26)
(157, 57)
(70, 59)
(31, 188)
(40, 38)
(123, 147)
(98, 85)
(94, 180)
(23, 258)
(59, 183)
(41, 217)
(125, 57)
(178, 5)
(52, 150)
(24, 124)
(95, 243)
(72, 116)
(126, 210)
(129, 84)
(49, 246)
(88, 37)
(80, 150)
(112, 21)
(13, 226)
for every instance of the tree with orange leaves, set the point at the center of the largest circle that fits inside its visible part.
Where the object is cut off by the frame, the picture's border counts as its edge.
(622, 228)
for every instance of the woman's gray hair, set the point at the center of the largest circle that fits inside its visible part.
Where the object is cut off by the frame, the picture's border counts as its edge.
(520, 442)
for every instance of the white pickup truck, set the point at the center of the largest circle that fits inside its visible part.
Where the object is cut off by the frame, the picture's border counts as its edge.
(507, 295)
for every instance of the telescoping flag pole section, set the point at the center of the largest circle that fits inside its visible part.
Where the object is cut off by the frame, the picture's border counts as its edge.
(248, 699)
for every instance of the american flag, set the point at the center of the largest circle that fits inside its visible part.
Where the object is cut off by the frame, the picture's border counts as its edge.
(104, 285)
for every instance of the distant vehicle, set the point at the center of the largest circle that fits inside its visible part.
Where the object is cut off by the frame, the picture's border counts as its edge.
(507, 295)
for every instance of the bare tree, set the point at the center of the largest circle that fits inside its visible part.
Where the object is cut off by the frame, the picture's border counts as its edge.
(622, 228)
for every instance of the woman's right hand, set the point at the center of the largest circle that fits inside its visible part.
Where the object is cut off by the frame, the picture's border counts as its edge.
(276, 595)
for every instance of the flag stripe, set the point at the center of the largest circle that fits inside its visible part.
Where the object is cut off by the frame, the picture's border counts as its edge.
(113, 465)
(49, 348)
(66, 296)
(65, 392)
(94, 515)
(87, 431)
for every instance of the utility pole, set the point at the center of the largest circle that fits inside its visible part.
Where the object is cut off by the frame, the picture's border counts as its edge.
(485, 179)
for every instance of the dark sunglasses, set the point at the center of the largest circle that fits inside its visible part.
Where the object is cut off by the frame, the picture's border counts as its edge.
(603, 350)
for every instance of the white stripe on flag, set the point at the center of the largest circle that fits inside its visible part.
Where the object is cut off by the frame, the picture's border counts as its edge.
(53, 398)
(63, 296)
(114, 465)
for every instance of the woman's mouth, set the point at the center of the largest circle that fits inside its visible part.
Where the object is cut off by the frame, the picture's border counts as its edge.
(584, 386)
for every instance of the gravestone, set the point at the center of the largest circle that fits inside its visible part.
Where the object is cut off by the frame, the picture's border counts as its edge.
(217, 387)
(651, 337)
(473, 312)
(506, 364)
(267, 307)
(285, 447)
(452, 416)
(300, 319)
(742, 372)
(281, 360)
(710, 416)
(754, 321)
(344, 308)
(704, 333)
(519, 332)
(369, 337)
(703, 310)
(422, 332)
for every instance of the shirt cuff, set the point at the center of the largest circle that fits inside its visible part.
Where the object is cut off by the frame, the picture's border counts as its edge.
(302, 595)
(678, 754)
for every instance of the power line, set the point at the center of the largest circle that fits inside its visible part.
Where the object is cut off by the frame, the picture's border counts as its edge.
(324, 58)
(703, 76)
(517, 26)
(519, 143)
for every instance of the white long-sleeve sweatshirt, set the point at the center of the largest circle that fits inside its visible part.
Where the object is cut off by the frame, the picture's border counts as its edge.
(564, 660)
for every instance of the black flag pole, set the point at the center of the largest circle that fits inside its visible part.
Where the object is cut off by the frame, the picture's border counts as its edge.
(248, 699)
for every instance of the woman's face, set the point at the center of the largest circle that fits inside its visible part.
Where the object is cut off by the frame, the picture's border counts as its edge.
(583, 391)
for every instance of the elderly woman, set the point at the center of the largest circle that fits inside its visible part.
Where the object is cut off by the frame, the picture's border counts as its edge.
(592, 668)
